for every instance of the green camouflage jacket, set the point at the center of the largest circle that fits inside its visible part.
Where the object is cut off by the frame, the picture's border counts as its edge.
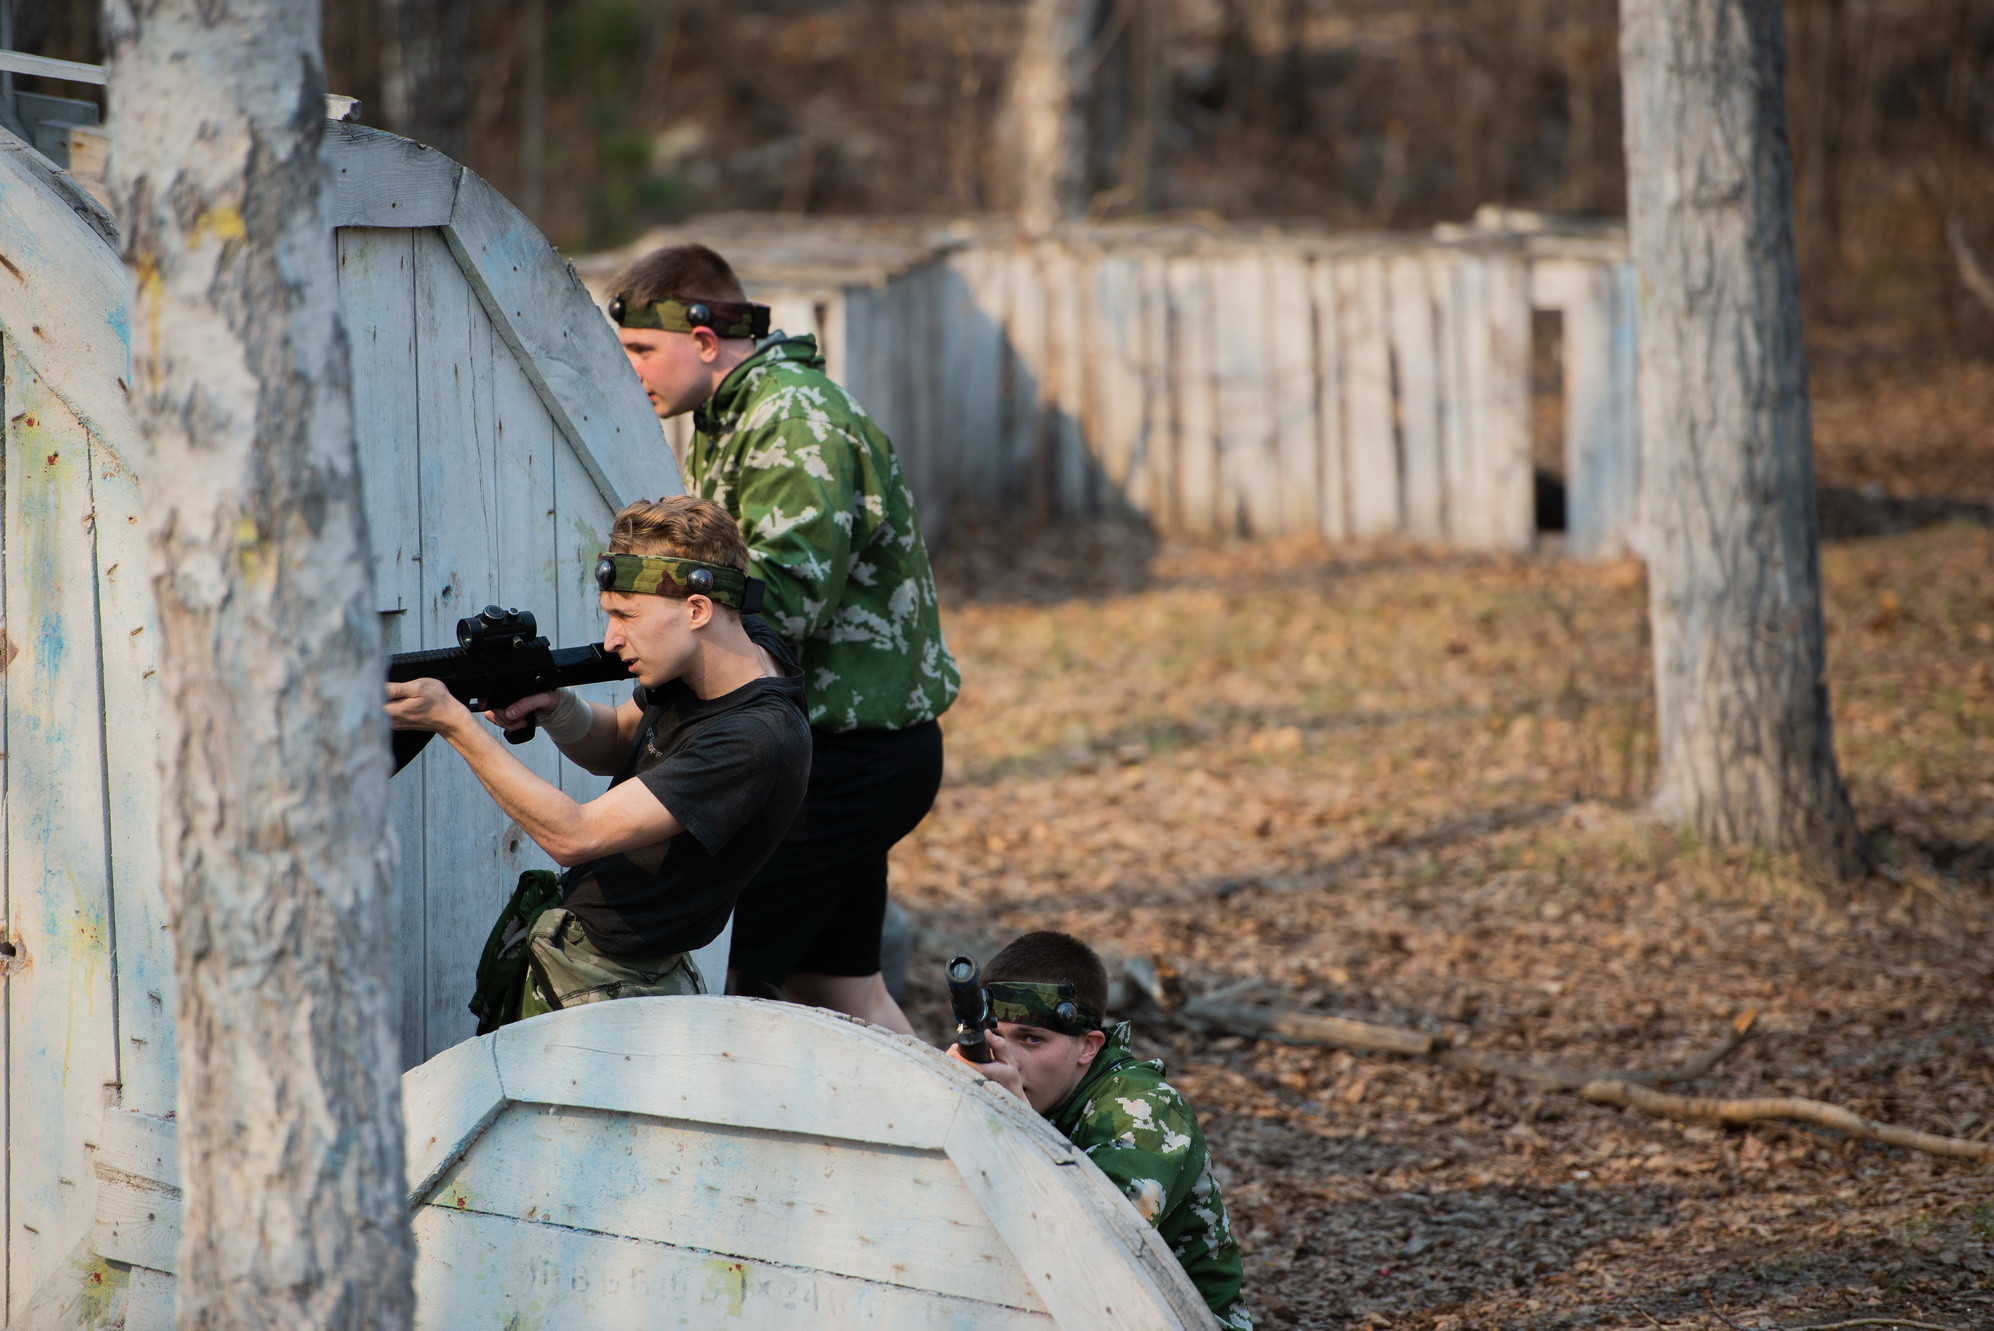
(830, 527)
(1136, 1127)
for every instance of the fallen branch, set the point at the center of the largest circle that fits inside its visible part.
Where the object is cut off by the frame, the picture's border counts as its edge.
(1872, 1321)
(1817, 1112)
(1569, 1080)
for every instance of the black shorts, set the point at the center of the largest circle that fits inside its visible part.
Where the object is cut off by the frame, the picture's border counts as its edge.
(817, 905)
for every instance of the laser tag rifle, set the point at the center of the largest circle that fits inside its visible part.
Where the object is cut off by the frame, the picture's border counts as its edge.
(499, 658)
(972, 1008)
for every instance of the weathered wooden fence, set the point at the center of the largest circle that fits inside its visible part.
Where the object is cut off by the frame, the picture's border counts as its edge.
(1222, 381)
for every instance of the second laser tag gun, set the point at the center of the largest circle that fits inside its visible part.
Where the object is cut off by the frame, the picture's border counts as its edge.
(972, 1008)
(499, 658)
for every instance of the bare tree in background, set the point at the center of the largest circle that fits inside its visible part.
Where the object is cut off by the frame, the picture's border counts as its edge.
(274, 788)
(1048, 112)
(423, 62)
(1747, 748)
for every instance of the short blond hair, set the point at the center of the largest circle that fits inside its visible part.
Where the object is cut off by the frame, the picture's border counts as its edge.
(682, 525)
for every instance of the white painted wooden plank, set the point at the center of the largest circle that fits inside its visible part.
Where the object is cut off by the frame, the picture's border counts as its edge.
(1194, 504)
(382, 180)
(62, 1034)
(63, 292)
(711, 960)
(128, 652)
(1445, 280)
(726, 1060)
(524, 439)
(893, 1216)
(1619, 520)
(1506, 404)
(446, 1103)
(481, 1270)
(540, 309)
(1066, 363)
(377, 302)
(790, 312)
(1114, 356)
(581, 531)
(1369, 437)
(831, 337)
(1414, 353)
(148, 1301)
(1297, 449)
(465, 835)
(137, 1222)
(1152, 474)
(973, 369)
(1243, 364)
(1060, 1232)
(143, 1146)
(1470, 514)
(377, 293)
(1332, 470)
(1025, 336)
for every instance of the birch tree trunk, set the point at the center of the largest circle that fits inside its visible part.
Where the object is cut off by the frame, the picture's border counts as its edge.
(1747, 749)
(1048, 112)
(275, 768)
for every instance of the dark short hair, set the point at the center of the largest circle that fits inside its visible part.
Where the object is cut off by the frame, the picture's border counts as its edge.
(1049, 957)
(683, 272)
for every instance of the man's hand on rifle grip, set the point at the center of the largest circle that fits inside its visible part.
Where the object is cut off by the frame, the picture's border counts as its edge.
(424, 704)
(533, 706)
(999, 1070)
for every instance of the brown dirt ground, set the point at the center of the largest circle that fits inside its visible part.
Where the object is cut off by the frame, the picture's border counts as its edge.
(1407, 787)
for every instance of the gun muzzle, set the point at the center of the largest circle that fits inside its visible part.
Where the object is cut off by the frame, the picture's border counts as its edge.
(972, 1008)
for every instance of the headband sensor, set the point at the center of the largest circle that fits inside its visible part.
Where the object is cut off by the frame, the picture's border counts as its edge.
(1037, 1003)
(727, 318)
(668, 575)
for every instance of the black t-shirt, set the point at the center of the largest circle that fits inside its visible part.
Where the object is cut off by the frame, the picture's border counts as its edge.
(732, 770)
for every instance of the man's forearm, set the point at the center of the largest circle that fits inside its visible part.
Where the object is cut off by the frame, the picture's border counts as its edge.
(600, 748)
(553, 820)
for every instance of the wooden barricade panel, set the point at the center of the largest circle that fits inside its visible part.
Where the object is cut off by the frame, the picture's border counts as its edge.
(739, 1162)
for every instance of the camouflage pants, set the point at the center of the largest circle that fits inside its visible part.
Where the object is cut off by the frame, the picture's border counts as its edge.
(567, 970)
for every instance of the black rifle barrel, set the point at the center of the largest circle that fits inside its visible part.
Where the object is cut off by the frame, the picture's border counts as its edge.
(502, 660)
(972, 1008)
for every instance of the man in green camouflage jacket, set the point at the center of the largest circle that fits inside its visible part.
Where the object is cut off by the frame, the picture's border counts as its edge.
(831, 531)
(1046, 993)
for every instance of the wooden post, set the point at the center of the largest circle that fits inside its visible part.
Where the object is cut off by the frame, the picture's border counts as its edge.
(1728, 521)
(274, 755)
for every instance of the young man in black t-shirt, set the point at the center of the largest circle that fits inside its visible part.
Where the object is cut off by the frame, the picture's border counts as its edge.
(711, 757)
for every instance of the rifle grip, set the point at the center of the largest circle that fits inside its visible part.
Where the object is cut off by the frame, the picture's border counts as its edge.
(521, 735)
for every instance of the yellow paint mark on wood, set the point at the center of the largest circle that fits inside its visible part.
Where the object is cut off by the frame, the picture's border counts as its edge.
(729, 1281)
(103, 1288)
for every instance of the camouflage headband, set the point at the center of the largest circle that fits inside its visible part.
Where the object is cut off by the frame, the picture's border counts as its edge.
(1036, 1003)
(666, 575)
(727, 318)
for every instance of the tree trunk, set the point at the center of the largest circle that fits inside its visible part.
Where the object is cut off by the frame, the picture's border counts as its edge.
(274, 755)
(1728, 517)
(1049, 112)
(422, 71)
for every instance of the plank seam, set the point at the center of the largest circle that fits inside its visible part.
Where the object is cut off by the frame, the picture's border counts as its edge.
(803, 1271)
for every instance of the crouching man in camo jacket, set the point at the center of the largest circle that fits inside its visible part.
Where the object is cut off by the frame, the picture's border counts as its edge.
(1047, 992)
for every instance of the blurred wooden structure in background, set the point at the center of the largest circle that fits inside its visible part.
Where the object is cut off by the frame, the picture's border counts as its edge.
(1252, 381)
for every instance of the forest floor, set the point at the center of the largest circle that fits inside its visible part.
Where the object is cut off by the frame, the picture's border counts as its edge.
(1409, 787)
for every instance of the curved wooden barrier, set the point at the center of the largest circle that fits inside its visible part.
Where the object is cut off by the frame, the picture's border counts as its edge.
(720, 1162)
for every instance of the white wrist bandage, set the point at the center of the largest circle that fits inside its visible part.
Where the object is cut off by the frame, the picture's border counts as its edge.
(569, 719)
